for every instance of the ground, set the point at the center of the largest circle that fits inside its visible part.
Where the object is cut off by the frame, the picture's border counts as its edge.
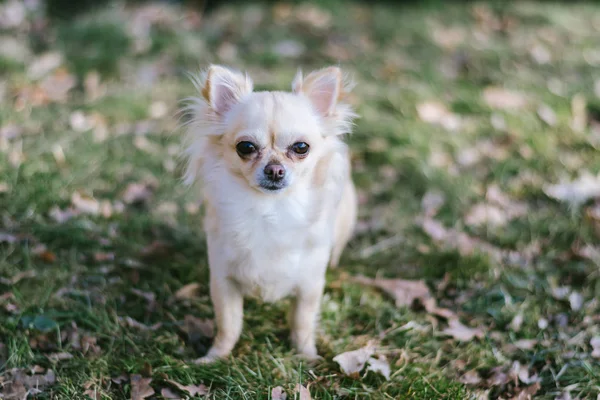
(474, 118)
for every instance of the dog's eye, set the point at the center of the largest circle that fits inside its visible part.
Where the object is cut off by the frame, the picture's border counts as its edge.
(300, 148)
(245, 148)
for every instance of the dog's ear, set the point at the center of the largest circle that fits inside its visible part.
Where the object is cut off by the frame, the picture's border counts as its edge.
(224, 87)
(322, 88)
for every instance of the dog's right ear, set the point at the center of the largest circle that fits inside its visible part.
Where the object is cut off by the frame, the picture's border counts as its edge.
(224, 87)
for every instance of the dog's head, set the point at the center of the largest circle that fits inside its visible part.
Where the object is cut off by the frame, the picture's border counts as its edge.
(271, 140)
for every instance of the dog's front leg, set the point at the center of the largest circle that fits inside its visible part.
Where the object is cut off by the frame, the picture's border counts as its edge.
(304, 317)
(228, 303)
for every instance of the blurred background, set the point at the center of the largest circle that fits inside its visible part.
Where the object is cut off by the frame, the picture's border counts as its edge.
(475, 156)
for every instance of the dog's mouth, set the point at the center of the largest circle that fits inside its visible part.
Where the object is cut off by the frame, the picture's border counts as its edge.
(271, 186)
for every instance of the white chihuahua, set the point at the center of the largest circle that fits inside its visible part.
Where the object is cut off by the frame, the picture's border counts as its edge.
(280, 202)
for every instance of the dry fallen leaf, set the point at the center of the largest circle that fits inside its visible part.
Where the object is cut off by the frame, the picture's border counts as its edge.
(55, 357)
(522, 373)
(455, 239)
(461, 332)
(432, 201)
(132, 323)
(352, 362)
(595, 343)
(303, 392)
(30, 273)
(434, 112)
(85, 204)
(19, 384)
(579, 113)
(547, 114)
(525, 344)
(137, 193)
(576, 301)
(503, 99)
(517, 322)
(528, 392)
(140, 387)
(470, 378)
(277, 393)
(169, 394)
(188, 291)
(93, 393)
(191, 390)
(380, 365)
(498, 377)
(405, 292)
(577, 192)
(197, 328)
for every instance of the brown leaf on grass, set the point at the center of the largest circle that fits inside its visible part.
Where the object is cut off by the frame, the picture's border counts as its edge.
(132, 323)
(470, 378)
(155, 250)
(44, 64)
(85, 204)
(7, 238)
(460, 241)
(169, 394)
(435, 112)
(19, 384)
(595, 343)
(522, 373)
(28, 274)
(498, 377)
(405, 292)
(140, 387)
(61, 216)
(352, 362)
(93, 86)
(56, 357)
(503, 99)
(93, 393)
(498, 209)
(56, 87)
(119, 380)
(188, 291)
(277, 393)
(579, 119)
(432, 201)
(304, 393)
(191, 390)
(525, 344)
(547, 114)
(148, 296)
(528, 392)
(576, 192)
(380, 365)
(197, 328)
(461, 332)
(42, 252)
(138, 192)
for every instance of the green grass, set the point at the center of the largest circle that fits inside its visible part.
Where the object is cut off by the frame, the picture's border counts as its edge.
(83, 283)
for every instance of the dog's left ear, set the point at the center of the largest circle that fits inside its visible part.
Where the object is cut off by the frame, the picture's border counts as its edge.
(322, 88)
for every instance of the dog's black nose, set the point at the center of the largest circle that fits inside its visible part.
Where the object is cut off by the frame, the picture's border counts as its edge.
(274, 172)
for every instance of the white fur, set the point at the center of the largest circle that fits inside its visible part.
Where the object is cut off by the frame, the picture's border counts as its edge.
(271, 245)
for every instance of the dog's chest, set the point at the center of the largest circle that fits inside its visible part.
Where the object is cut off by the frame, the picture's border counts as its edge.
(268, 247)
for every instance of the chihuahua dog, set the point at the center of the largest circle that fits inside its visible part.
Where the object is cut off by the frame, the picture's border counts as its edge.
(279, 199)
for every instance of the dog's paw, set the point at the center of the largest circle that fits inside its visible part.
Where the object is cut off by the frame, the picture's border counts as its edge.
(309, 353)
(205, 360)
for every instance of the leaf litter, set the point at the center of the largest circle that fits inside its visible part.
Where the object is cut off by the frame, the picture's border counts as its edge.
(140, 387)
